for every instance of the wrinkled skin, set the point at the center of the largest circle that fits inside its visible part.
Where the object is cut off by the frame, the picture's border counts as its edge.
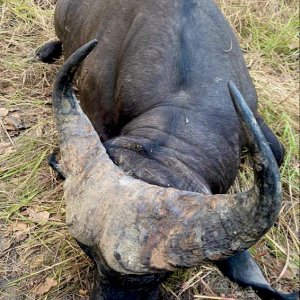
(158, 98)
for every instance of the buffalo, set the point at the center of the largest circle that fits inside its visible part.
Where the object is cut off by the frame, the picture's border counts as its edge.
(155, 143)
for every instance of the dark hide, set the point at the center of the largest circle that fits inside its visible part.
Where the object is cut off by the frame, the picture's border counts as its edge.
(49, 52)
(155, 90)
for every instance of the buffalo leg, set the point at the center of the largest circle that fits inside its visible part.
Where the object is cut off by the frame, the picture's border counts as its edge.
(49, 52)
(242, 269)
(275, 145)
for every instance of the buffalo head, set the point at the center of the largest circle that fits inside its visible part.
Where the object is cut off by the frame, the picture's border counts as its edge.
(134, 228)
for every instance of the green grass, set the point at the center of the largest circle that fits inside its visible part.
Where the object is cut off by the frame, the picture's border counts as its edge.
(272, 38)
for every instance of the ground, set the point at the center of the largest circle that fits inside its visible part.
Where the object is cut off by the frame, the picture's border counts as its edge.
(38, 258)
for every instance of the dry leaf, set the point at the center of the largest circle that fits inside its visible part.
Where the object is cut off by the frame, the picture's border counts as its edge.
(46, 286)
(4, 245)
(41, 216)
(3, 112)
(19, 226)
(37, 262)
(20, 237)
(10, 127)
(13, 122)
(20, 230)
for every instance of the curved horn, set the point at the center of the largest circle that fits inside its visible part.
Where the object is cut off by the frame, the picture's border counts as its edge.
(137, 227)
(77, 135)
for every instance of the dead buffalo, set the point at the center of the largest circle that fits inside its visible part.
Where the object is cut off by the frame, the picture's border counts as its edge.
(156, 142)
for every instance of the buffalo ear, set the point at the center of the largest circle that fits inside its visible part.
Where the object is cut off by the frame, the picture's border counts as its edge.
(242, 269)
(49, 52)
(275, 145)
(55, 165)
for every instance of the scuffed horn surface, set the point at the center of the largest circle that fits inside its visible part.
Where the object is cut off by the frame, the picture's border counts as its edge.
(265, 164)
(141, 228)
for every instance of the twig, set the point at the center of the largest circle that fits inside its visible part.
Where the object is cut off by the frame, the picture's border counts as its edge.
(7, 133)
(287, 260)
(227, 51)
(170, 291)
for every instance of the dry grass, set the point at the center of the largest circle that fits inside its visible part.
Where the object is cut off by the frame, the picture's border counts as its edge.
(33, 249)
